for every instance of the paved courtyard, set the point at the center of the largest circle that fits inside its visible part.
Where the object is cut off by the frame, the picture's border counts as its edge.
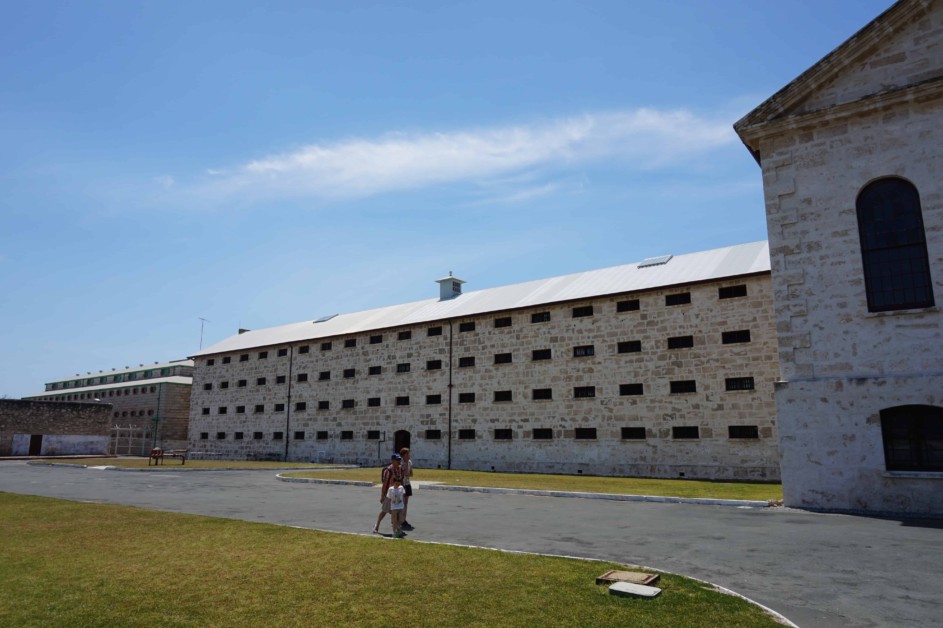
(816, 569)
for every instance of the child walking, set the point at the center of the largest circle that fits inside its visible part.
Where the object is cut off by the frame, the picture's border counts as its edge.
(396, 495)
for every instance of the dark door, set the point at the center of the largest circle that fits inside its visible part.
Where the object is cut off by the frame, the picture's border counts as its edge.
(400, 440)
(35, 444)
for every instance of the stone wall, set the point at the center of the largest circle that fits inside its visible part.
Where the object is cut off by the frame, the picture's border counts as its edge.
(66, 428)
(428, 405)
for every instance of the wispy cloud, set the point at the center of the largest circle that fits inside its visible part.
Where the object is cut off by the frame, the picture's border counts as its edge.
(644, 138)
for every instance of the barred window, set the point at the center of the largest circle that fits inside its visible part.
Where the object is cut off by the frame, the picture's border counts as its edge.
(738, 383)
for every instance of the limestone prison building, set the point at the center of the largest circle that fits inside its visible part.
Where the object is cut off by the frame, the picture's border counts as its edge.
(662, 368)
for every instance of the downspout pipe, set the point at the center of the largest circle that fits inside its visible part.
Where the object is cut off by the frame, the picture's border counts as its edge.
(448, 464)
(291, 357)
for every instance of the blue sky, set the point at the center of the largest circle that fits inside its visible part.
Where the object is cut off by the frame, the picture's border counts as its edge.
(256, 164)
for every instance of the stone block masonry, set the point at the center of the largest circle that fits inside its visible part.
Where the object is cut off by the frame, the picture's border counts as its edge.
(53, 428)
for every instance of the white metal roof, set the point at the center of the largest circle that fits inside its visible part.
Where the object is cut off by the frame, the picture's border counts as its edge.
(176, 379)
(127, 369)
(729, 261)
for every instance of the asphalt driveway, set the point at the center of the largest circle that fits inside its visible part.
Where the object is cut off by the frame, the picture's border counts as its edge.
(816, 569)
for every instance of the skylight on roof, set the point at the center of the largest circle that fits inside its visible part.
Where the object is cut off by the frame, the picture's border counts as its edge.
(324, 319)
(655, 261)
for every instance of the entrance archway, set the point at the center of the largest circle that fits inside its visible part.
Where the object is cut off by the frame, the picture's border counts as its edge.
(400, 440)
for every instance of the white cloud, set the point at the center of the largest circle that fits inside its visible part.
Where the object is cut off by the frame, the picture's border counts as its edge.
(645, 138)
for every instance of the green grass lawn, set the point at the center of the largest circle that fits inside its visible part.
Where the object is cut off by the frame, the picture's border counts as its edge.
(70, 564)
(580, 483)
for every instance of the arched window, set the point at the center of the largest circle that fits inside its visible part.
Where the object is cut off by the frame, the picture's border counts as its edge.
(893, 246)
(913, 438)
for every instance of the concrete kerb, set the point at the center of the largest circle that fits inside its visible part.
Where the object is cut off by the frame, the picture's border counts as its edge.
(703, 501)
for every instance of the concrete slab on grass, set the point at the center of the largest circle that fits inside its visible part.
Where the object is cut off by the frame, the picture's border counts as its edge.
(630, 589)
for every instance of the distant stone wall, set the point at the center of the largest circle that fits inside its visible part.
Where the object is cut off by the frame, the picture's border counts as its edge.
(64, 427)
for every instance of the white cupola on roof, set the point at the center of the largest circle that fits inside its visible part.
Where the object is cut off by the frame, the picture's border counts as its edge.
(449, 287)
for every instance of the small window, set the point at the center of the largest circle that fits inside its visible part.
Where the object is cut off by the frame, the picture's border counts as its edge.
(257, 436)
(466, 434)
(210, 362)
(403, 367)
(374, 370)
(350, 342)
(433, 434)
(299, 436)
(434, 331)
(260, 381)
(350, 373)
(584, 392)
(681, 342)
(402, 401)
(347, 404)
(404, 335)
(685, 431)
(242, 383)
(222, 410)
(540, 317)
(585, 433)
(279, 407)
(468, 397)
(732, 292)
(681, 298)
(543, 433)
(433, 400)
(282, 353)
(347, 435)
(739, 383)
(223, 385)
(238, 436)
(502, 358)
(244, 357)
(206, 411)
(504, 321)
(300, 406)
(303, 349)
(684, 386)
(220, 435)
(583, 311)
(539, 394)
(208, 386)
(322, 435)
(326, 346)
(280, 379)
(743, 431)
(503, 434)
(469, 326)
(433, 365)
(204, 435)
(373, 402)
(735, 337)
(633, 433)
(324, 404)
(373, 434)
(377, 339)
(263, 355)
(240, 409)
(301, 377)
(584, 351)
(540, 354)
(630, 390)
(466, 361)
(324, 375)
(630, 305)
(912, 435)
(226, 360)
(630, 346)
(502, 395)
(259, 408)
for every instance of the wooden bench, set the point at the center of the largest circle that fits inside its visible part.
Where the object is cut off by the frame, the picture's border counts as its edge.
(156, 456)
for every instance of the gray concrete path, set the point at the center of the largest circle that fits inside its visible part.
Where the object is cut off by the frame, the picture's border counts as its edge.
(816, 569)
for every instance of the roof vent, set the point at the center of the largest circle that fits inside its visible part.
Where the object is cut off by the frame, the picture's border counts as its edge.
(449, 287)
(242, 331)
(655, 261)
(325, 319)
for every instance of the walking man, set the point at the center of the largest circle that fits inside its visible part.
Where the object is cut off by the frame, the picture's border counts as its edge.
(390, 473)
(407, 468)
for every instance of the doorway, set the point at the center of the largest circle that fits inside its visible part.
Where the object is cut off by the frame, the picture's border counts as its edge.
(400, 440)
(35, 444)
